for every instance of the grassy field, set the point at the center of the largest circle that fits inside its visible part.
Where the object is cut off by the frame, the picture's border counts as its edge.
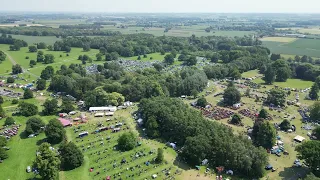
(309, 47)
(20, 58)
(49, 40)
(155, 57)
(279, 39)
(250, 74)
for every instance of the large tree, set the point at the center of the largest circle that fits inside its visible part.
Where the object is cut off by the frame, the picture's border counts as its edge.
(9, 121)
(27, 109)
(47, 73)
(70, 155)
(41, 84)
(2, 113)
(33, 48)
(202, 102)
(67, 106)
(315, 111)
(16, 69)
(269, 75)
(50, 107)
(313, 94)
(55, 132)
(169, 59)
(34, 125)
(3, 154)
(47, 162)
(127, 141)
(28, 94)
(264, 134)
(285, 125)
(309, 151)
(283, 71)
(3, 141)
(276, 97)
(231, 96)
(236, 119)
(316, 132)
(263, 114)
(160, 157)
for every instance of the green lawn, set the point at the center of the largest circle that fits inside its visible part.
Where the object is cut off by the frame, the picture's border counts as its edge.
(250, 74)
(292, 83)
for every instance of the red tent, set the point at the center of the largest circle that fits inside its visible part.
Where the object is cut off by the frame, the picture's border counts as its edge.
(65, 122)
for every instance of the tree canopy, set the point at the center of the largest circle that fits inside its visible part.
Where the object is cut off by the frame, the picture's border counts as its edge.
(34, 125)
(55, 132)
(50, 107)
(70, 155)
(264, 134)
(309, 151)
(28, 94)
(47, 162)
(231, 96)
(276, 97)
(27, 109)
(127, 141)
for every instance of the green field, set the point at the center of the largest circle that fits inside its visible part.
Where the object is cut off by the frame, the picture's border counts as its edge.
(49, 40)
(155, 57)
(309, 47)
(184, 31)
(20, 58)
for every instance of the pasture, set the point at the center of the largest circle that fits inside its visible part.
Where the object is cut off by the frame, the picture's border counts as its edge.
(279, 39)
(309, 47)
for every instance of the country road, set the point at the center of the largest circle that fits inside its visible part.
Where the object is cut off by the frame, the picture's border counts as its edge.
(14, 63)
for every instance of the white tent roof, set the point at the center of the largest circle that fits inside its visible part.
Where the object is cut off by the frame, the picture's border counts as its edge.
(299, 138)
(111, 108)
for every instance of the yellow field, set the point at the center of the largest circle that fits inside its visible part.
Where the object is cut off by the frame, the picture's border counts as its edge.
(279, 39)
(310, 31)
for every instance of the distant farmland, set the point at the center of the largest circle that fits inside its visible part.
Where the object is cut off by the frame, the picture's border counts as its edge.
(49, 40)
(309, 47)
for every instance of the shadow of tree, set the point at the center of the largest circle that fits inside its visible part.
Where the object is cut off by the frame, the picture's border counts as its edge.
(23, 135)
(293, 173)
(39, 142)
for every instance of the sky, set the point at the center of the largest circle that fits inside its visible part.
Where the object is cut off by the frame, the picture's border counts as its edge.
(166, 6)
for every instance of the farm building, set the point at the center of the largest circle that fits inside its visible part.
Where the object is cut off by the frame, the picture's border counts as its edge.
(299, 138)
(65, 122)
(110, 108)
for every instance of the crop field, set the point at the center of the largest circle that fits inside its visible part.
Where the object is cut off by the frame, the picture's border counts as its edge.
(309, 47)
(279, 39)
(56, 23)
